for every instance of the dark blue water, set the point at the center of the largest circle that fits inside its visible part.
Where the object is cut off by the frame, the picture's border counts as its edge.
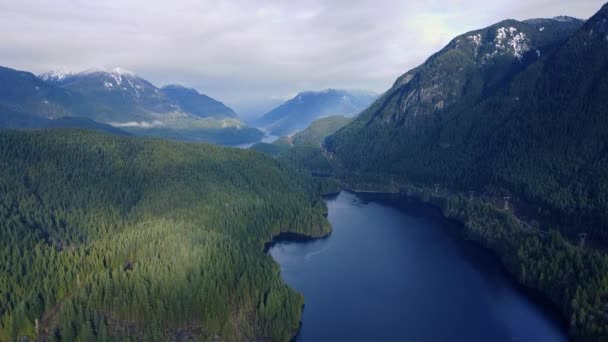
(387, 274)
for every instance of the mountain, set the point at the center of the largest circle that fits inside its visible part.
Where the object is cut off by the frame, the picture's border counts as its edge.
(118, 237)
(299, 112)
(23, 92)
(518, 109)
(113, 96)
(191, 101)
(127, 101)
(26, 102)
(493, 110)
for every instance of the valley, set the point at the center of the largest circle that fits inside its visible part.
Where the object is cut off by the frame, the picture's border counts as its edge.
(467, 202)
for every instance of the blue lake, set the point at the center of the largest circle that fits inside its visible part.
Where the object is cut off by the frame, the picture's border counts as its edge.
(390, 272)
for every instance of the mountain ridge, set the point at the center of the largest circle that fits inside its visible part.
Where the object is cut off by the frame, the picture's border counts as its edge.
(120, 98)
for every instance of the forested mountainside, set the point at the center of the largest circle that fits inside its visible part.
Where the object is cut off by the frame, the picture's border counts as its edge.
(501, 113)
(312, 136)
(16, 120)
(120, 99)
(306, 107)
(303, 149)
(320, 129)
(516, 109)
(107, 237)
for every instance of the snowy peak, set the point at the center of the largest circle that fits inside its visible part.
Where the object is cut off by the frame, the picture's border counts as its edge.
(113, 80)
(59, 76)
(115, 71)
(55, 76)
(484, 58)
(513, 39)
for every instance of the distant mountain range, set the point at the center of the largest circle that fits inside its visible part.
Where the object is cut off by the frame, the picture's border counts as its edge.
(122, 99)
(299, 112)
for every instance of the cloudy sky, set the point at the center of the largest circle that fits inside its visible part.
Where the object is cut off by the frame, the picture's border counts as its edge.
(251, 54)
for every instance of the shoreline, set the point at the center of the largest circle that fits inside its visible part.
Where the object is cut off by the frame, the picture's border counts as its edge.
(292, 237)
(296, 237)
(456, 230)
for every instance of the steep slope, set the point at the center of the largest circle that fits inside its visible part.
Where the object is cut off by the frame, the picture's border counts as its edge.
(191, 101)
(491, 117)
(302, 110)
(123, 238)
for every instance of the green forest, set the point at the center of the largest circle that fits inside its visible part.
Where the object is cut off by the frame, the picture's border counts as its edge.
(121, 238)
(574, 278)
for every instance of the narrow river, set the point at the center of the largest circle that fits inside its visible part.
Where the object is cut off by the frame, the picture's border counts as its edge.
(390, 272)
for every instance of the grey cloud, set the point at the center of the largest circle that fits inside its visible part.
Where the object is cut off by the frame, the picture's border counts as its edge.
(251, 54)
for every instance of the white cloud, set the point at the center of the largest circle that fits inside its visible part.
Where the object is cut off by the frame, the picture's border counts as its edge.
(140, 124)
(246, 52)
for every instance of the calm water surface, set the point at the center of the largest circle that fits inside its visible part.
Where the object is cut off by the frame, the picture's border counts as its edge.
(388, 274)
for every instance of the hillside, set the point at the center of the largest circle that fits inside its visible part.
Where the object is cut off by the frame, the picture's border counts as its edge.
(527, 125)
(320, 129)
(109, 237)
(303, 151)
(299, 112)
(16, 120)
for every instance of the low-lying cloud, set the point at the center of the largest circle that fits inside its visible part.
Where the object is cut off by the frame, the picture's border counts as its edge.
(138, 124)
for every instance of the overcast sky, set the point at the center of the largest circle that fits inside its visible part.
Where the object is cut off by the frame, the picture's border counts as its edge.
(251, 54)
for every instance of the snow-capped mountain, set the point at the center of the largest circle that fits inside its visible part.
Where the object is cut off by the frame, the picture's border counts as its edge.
(54, 76)
(119, 98)
(305, 107)
(121, 95)
(113, 96)
(477, 60)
